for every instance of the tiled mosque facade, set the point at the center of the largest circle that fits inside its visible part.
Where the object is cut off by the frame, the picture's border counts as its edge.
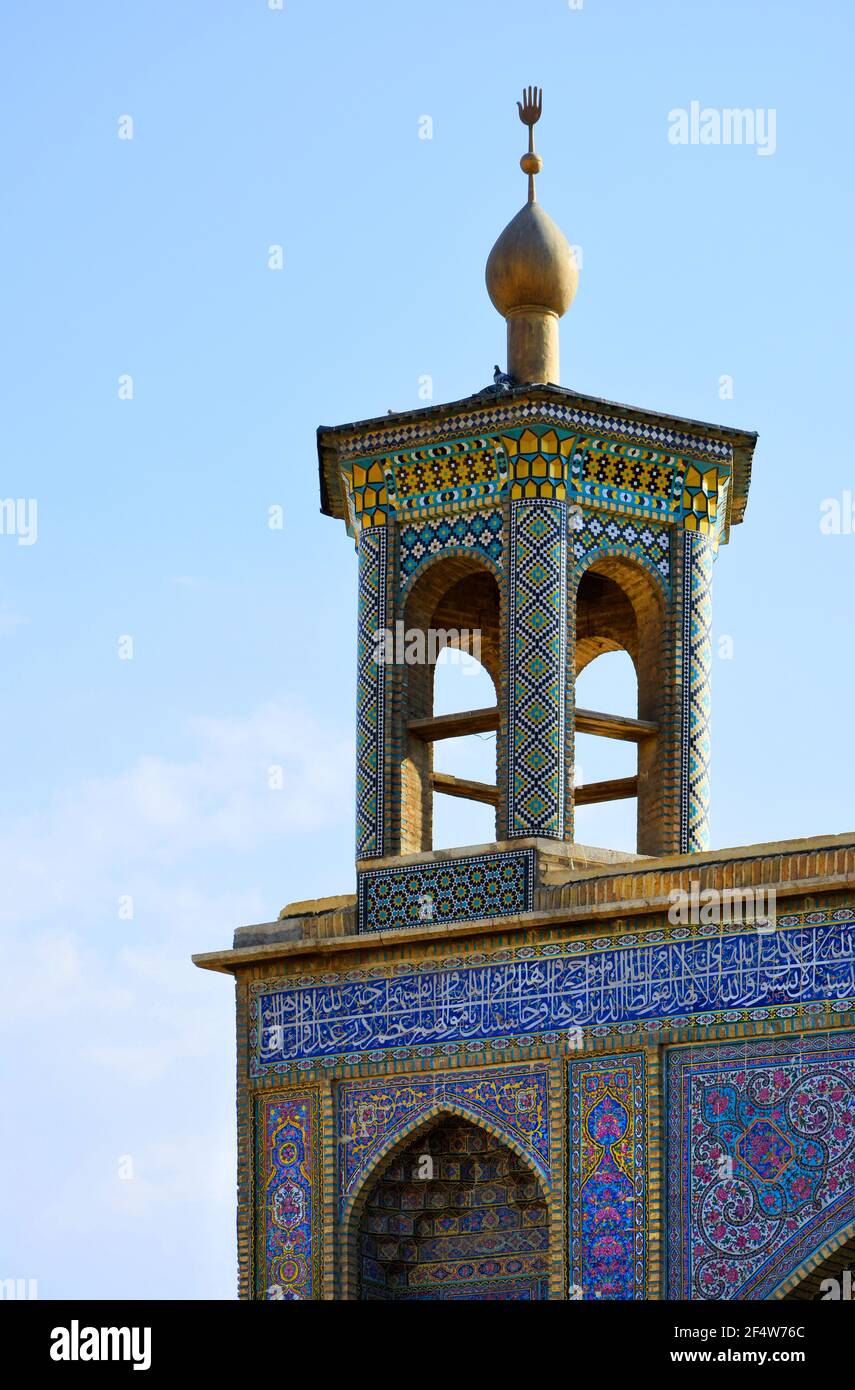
(581, 1100)
(512, 1071)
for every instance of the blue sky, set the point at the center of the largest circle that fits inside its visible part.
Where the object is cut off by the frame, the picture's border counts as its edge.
(148, 778)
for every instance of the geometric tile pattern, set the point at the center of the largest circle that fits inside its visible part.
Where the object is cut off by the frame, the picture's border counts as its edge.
(440, 892)
(761, 1160)
(478, 532)
(620, 477)
(647, 542)
(504, 417)
(623, 496)
(460, 463)
(370, 695)
(608, 1177)
(372, 1113)
(700, 499)
(287, 1175)
(428, 481)
(367, 484)
(673, 977)
(538, 668)
(537, 462)
(457, 1215)
(627, 467)
(697, 670)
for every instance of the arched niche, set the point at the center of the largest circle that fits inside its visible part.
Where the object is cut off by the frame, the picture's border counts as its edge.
(452, 1209)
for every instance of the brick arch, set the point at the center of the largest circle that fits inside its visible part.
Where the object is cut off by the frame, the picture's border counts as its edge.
(631, 576)
(814, 1260)
(620, 602)
(401, 1138)
(450, 552)
(618, 552)
(447, 588)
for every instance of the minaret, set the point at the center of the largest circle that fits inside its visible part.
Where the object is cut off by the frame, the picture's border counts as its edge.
(530, 1007)
(532, 273)
(558, 527)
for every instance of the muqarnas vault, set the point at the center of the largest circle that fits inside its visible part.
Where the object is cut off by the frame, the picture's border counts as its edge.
(504, 1071)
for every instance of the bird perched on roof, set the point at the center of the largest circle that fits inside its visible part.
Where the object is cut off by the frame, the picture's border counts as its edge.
(502, 381)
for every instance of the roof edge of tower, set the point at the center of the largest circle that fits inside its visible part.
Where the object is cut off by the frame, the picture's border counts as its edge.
(330, 437)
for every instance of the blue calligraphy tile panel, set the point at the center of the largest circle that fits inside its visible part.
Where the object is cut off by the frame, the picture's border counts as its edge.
(669, 978)
(470, 889)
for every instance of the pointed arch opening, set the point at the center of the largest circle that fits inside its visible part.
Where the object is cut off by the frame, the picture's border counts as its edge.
(453, 1212)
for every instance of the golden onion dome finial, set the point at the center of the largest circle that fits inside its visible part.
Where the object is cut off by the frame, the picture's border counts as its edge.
(531, 271)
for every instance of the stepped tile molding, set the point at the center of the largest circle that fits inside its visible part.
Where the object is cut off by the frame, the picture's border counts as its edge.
(537, 460)
(479, 1230)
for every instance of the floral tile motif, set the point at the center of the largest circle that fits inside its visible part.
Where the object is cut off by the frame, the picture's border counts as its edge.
(513, 1099)
(761, 1160)
(608, 1177)
(287, 1217)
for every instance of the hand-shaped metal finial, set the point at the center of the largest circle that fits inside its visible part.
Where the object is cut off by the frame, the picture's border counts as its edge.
(530, 109)
(531, 106)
